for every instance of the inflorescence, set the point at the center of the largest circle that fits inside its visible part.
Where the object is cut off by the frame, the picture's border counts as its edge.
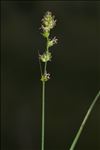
(48, 23)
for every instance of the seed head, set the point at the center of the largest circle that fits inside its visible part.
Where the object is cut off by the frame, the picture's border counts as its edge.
(45, 57)
(52, 42)
(48, 22)
(45, 77)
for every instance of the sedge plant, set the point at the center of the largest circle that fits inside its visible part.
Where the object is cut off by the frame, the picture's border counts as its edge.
(48, 23)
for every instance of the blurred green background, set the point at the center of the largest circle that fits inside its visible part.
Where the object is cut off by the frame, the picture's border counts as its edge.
(74, 69)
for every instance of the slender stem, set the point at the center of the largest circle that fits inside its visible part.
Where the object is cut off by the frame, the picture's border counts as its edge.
(43, 103)
(47, 48)
(45, 65)
(43, 114)
(40, 65)
(84, 122)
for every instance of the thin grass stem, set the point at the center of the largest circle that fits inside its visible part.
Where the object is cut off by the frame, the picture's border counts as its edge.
(43, 104)
(43, 114)
(84, 122)
(40, 65)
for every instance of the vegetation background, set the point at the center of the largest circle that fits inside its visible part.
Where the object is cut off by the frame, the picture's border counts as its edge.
(75, 75)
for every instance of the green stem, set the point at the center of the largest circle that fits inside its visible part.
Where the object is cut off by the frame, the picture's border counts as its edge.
(45, 65)
(84, 122)
(43, 103)
(43, 114)
(40, 64)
